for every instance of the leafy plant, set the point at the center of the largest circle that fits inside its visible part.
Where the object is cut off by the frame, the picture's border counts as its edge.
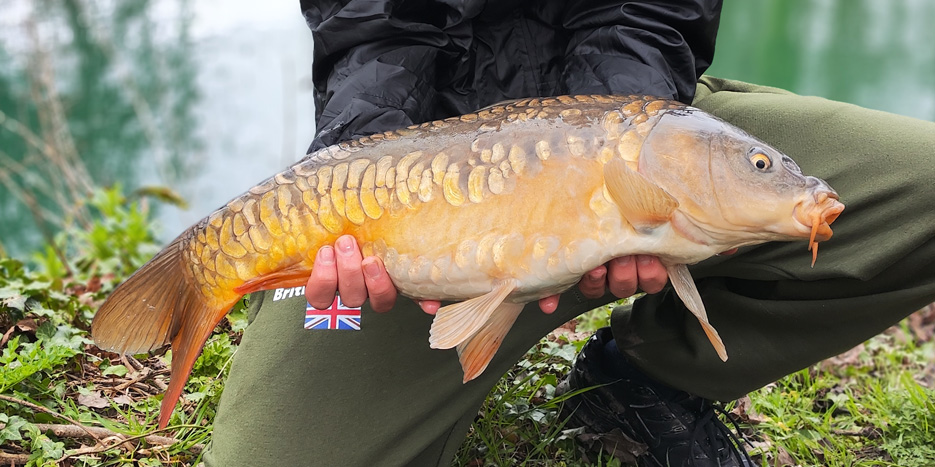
(118, 242)
(50, 372)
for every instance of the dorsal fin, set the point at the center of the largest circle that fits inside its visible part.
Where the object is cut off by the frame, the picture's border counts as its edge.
(643, 203)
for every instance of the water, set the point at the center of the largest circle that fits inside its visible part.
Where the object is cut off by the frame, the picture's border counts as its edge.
(204, 99)
(875, 54)
(210, 100)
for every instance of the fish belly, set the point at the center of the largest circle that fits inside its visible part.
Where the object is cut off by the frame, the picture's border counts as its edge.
(548, 231)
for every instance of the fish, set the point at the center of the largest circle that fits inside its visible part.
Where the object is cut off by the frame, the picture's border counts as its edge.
(489, 210)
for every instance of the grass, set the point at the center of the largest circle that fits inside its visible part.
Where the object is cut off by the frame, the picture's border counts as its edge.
(873, 405)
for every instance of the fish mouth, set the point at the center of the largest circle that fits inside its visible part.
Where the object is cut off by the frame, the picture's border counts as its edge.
(815, 214)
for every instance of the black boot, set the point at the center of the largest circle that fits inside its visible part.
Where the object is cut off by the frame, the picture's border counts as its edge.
(678, 429)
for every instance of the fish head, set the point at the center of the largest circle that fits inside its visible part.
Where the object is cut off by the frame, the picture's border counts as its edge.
(733, 189)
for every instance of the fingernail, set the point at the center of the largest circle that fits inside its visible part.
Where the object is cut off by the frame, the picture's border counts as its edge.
(644, 259)
(345, 244)
(325, 256)
(623, 260)
(596, 275)
(372, 269)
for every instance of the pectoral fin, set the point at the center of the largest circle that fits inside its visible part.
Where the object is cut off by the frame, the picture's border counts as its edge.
(643, 203)
(685, 286)
(457, 322)
(475, 353)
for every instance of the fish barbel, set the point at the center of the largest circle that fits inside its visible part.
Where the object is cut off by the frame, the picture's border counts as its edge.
(491, 210)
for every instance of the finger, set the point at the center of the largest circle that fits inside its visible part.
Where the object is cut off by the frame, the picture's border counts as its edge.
(549, 304)
(652, 274)
(350, 277)
(323, 283)
(621, 276)
(592, 285)
(429, 306)
(380, 287)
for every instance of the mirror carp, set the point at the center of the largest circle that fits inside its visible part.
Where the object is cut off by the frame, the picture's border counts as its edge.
(490, 210)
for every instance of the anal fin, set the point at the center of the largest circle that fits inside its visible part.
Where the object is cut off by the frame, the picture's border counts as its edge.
(475, 353)
(456, 323)
(684, 286)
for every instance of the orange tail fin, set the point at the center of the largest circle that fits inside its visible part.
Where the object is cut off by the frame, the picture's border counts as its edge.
(155, 306)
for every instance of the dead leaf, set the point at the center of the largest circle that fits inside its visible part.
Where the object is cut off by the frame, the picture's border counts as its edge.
(6, 336)
(93, 400)
(569, 333)
(92, 349)
(783, 458)
(123, 399)
(615, 443)
(94, 284)
(27, 325)
(922, 324)
(743, 412)
(848, 359)
(24, 325)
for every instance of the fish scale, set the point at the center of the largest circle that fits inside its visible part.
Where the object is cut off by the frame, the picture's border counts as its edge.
(323, 197)
(490, 210)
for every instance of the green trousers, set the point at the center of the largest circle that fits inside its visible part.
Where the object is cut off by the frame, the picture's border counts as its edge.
(380, 396)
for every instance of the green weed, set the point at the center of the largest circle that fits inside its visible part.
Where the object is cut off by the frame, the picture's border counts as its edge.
(862, 408)
(51, 374)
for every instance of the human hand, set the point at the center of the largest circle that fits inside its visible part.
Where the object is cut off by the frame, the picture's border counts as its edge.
(624, 276)
(343, 269)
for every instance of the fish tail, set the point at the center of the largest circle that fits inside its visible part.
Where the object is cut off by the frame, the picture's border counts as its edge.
(157, 305)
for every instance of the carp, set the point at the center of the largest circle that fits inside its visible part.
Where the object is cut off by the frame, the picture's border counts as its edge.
(490, 210)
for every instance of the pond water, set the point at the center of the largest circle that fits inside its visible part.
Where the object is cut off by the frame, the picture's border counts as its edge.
(209, 100)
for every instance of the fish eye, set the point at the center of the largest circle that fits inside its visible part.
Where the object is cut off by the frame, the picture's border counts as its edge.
(761, 161)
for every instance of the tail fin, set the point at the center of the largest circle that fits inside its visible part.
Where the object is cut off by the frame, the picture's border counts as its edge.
(155, 306)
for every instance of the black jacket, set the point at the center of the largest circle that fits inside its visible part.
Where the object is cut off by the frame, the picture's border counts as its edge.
(381, 65)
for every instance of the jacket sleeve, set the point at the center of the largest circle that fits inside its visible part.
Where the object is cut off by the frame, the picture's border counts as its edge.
(375, 63)
(657, 47)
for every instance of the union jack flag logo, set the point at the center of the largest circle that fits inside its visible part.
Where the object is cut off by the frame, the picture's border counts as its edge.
(339, 316)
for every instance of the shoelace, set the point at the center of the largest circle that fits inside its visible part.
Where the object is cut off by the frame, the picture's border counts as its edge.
(710, 426)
